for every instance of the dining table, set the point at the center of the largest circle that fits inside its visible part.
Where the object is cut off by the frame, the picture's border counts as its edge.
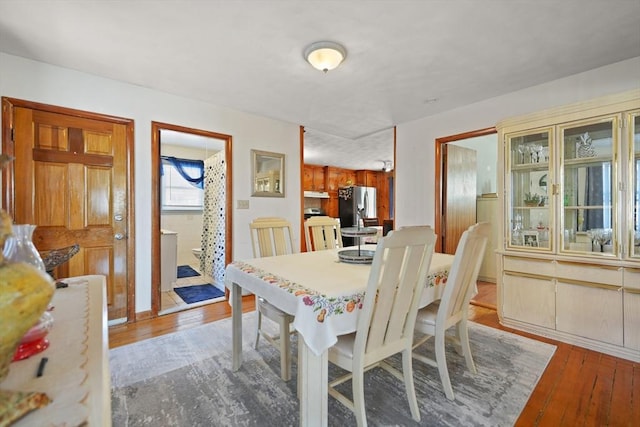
(325, 296)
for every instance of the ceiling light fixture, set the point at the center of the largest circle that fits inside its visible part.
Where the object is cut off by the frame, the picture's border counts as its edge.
(325, 56)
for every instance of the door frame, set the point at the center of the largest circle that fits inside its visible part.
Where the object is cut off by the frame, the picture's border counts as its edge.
(8, 173)
(156, 127)
(439, 147)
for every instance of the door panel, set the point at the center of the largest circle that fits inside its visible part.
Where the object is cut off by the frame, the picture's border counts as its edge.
(459, 204)
(71, 181)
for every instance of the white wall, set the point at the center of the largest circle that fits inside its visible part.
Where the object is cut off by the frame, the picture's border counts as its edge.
(486, 148)
(39, 82)
(415, 149)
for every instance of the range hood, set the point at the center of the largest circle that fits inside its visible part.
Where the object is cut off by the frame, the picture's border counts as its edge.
(316, 194)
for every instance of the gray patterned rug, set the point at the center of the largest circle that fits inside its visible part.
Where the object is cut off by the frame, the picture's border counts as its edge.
(184, 379)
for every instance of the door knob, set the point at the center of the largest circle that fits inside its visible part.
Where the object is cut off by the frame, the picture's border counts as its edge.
(119, 236)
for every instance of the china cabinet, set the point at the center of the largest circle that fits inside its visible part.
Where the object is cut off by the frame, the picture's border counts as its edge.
(570, 238)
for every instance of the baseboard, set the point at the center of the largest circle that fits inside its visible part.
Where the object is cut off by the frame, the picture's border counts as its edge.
(602, 347)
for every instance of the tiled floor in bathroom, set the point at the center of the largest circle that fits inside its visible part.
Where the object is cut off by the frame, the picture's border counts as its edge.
(171, 302)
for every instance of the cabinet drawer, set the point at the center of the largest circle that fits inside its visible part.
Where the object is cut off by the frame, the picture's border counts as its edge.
(529, 300)
(632, 320)
(589, 273)
(632, 278)
(590, 312)
(530, 266)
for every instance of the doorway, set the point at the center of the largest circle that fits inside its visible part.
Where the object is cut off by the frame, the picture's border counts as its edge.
(454, 198)
(71, 177)
(191, 216)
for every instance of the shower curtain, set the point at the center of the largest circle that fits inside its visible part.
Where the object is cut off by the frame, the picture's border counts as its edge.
(214, 217)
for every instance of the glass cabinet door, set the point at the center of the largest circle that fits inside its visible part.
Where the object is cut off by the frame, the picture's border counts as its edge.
(529, 208)
(588, 193)
(634, 225)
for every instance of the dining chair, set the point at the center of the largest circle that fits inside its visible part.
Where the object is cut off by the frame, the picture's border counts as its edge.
(387, 318)
(452, 309)
(322, 232)
(271, 236)
(370, 222)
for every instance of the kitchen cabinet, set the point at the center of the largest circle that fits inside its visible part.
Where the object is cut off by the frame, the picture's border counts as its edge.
(338, 177)
(313, 178)
(569, 235)
(330, 205)
(367, 178)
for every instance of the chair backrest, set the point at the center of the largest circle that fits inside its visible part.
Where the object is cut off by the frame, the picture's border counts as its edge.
(322, 232)
(370, 222)
(398, 276)
(463, 274)
(271, 236)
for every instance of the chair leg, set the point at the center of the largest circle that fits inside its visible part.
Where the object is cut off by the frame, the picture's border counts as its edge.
(441, 361)
(407, 371)
(258, 324)
(463, 335)
(357, 385)
(285, 350)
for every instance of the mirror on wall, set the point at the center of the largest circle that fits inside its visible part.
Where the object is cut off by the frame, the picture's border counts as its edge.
(191, 242)
(267, 174)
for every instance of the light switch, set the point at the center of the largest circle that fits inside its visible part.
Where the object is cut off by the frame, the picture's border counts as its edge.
(243, 204)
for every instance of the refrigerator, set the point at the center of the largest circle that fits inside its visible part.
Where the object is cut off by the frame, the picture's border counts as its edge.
(351, 200)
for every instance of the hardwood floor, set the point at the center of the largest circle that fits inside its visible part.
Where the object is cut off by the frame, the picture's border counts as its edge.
(580, 387)
(486, 296)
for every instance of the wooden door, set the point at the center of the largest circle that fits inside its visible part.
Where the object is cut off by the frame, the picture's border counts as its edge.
(459, 194)
(71, 179)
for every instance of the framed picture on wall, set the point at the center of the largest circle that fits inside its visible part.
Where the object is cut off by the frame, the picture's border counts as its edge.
(267, 174)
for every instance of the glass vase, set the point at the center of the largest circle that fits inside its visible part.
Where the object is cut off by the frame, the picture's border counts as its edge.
(25, 289)
(20, 247)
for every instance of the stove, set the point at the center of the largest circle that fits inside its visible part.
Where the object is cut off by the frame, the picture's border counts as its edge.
(309, 212)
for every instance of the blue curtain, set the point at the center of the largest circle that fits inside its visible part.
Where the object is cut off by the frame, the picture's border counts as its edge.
(191, 170)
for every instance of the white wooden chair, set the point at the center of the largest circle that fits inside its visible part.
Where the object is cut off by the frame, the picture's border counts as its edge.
(452, 309)
(271, 237)
(322, 232)
(385, 324)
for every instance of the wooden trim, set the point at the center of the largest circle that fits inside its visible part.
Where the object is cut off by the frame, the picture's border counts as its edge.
(632, 269)
(143, 315)
(156, 127)
(8, 176)
(439, 142)
(67, 111)
(584, 264)
(527, 275)
(393, 172)
(588, 284)
(303, 244)
(632, 291)
(8, 183)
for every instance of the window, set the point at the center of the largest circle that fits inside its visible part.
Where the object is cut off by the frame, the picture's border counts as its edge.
(178, 193)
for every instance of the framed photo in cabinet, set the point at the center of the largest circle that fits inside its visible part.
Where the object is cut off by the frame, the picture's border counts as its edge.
(530, 238)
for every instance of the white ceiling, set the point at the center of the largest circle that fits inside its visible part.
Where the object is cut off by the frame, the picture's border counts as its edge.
(401, 55)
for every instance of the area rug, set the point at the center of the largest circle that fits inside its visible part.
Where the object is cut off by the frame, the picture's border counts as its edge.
(186, 271)
(197, 293)
(185, 379)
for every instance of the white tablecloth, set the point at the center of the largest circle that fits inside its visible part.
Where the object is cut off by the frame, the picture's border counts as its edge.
(323, 294)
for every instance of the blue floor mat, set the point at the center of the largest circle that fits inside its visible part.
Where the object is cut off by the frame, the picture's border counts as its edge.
(197, 293)
(186, 271)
